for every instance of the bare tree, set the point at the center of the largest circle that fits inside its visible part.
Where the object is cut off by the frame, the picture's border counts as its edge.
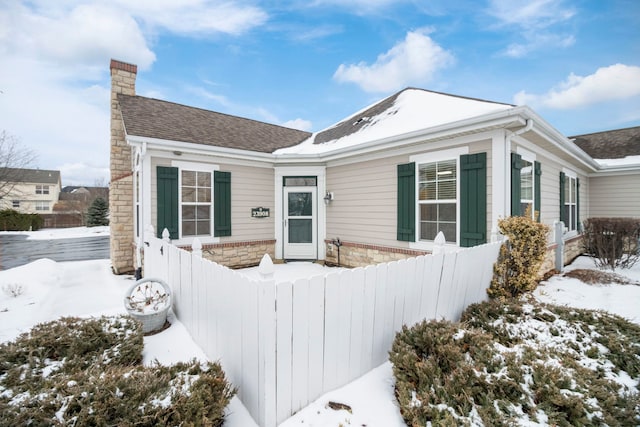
(14, 158)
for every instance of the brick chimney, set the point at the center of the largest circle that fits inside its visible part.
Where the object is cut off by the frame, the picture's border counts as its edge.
(121, 200)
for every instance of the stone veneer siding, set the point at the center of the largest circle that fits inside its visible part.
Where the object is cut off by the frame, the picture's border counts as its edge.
(573, 248)
(361, 255)
(123, 80)
(238, 254)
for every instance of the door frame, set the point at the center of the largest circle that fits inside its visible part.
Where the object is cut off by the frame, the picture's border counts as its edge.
(280, 173)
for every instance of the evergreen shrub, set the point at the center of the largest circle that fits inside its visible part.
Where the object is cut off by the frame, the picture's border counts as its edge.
(74, 372)
(520, 257)
(98, 213)
(12, 220)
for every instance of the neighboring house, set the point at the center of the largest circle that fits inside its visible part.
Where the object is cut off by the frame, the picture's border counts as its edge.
(382, 182)
(614, 190)
(32, 191)
(73, 204)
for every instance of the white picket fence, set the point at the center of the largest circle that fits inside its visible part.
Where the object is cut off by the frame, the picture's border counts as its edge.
(285, 344)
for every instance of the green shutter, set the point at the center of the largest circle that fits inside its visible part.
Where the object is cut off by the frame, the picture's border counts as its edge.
(562, 215)
(406, 224)
(473, 199)
(537, 197)
(221, 203)
(578, 225)
(516, 191)
(167, 183)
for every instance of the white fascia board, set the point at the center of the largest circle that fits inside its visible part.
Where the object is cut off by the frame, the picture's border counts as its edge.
(631, 169)
(199, 149)
(476, 124)
(551, 134)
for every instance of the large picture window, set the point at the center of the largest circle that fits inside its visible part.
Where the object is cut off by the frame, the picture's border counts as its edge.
(195, 190)
(437, 199)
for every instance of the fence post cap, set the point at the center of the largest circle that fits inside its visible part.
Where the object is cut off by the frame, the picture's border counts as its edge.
(166, 235)
(266, 268)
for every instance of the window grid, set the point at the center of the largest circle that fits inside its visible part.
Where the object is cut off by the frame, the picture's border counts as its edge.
(196, 203)
(437, 183)
(42, 189)
(570, 202)
(527, 189)
(42, 206)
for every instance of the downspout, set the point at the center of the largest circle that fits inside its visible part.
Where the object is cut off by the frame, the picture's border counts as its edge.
(507, 167)
(140, 153)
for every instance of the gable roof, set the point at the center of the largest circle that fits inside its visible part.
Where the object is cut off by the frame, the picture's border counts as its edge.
(611, 144)
(153, 118)
(409, 110)
(34, 176)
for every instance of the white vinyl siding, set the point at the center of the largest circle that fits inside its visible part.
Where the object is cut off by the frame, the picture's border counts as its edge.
(251, 187)
(365, 199)
(613, 196)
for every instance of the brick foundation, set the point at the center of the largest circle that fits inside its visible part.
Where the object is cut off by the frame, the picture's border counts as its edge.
(361, 255)
(238, 254)
(573, 248)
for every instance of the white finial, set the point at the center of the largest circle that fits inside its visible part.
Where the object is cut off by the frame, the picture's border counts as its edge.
(439, 242)
(266, 267)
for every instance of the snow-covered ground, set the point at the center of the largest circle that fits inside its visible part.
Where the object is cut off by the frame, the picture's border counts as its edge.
(47, 290)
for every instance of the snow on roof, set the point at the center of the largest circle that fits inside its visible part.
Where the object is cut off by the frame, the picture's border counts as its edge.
(407, 111)
(625, 161)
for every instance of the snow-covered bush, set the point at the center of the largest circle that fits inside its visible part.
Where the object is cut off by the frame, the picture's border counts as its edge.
(13, 290)
(87, 372)
(519, 364)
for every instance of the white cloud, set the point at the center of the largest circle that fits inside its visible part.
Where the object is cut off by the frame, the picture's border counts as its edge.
(197, 16)
(54, 72)
(300, 124)
(615, 82)
(539, 23)
(411, 61)
(530, 14)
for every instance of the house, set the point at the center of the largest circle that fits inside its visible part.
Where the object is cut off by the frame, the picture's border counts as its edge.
(73, 204)
(375, 187)
(614, 190)
(30, 190)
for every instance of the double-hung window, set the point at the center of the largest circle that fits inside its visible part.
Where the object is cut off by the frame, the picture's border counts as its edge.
(443, 191)
(526, 187)
(195, 190)
(42, 189)
(438, 200)
(193, 200)
(525, 184)
(569, 201)
(42, 205)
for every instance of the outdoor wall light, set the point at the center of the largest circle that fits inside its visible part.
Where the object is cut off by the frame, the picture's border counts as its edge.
(328, 197)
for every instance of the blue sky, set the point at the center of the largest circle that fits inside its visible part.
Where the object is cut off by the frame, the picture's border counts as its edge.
(307, 64)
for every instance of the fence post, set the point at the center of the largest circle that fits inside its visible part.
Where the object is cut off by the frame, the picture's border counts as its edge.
(196, 247)
(559, 232)
(166, 236)
(267, 333)
(438, 244)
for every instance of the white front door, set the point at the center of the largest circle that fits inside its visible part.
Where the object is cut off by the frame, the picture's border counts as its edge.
(300, 228)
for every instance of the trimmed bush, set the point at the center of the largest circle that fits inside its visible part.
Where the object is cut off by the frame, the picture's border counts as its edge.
(520, 257)
(612, 242)
(87, 372)
(12, 220)
(514, 363)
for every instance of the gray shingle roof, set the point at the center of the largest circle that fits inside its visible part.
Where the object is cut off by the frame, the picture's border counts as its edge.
(34, 176)
(611, 144)
(153, 118)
